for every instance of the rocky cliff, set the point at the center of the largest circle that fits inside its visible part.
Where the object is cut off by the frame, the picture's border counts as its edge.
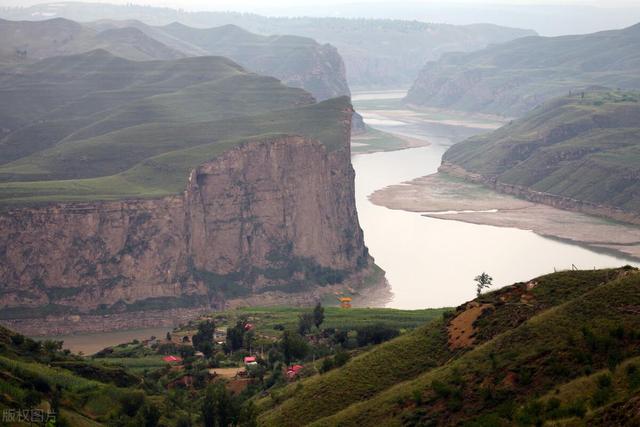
(276, 215)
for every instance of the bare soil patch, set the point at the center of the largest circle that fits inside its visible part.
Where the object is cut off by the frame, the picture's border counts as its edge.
(461, 330)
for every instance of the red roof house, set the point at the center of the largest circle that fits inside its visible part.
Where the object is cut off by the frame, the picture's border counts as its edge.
(249, 360)
(293, 371)
(172, 359)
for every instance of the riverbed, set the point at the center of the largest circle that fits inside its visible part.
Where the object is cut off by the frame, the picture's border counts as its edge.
(431, 262)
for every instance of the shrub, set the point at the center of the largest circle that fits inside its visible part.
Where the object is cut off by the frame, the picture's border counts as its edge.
(375, 334)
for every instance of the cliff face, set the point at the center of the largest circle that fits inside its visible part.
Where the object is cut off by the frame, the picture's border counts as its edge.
(325, 75)
(272, 215)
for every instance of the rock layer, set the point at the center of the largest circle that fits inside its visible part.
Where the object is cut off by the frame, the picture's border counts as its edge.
(275, 215)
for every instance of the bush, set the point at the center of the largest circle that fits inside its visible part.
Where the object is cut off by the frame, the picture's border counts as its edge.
(375, 334)
(327, 365)
(633, 376)
(341, 358)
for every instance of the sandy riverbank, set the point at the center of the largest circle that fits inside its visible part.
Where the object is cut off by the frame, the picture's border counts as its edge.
(445, 197)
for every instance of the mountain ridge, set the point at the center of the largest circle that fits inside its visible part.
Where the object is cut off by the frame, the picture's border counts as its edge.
(512, 78)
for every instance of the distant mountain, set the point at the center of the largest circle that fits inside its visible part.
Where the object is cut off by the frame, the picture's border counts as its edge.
(297, 61)
(27, 41)
(512, 78)
(578, 152)
(377, 52)
(561, 349)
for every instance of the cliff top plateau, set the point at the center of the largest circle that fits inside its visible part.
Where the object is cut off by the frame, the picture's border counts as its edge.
(94, 126)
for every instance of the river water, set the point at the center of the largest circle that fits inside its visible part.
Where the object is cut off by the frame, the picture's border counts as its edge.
(432, 262)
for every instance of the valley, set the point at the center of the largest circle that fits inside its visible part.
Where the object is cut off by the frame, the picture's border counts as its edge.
(211, 218)
(420, 251)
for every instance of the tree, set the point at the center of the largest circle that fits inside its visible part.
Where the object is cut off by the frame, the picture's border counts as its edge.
(168, 336)
(305, 322)
(249, 336)
(318, 315)
(293, 346)
(217, 408)
(204, 335)
(235, 336)
(483, 281)
(148, 416)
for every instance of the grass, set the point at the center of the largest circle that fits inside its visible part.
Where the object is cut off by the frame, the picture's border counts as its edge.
(136, 364)
(542, 344)
(141, 135)
(523, 350)
(270, 318)
(57, 376)
(377, 140)
(165, 173)
(362, 377)
(584, 148)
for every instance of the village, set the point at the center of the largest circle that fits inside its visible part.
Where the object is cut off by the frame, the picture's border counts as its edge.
(259, 349)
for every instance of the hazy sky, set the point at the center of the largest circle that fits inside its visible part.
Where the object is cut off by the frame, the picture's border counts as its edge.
(262, 4)
(547, 17)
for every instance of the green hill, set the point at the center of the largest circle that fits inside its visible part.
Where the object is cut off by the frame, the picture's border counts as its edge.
(512, 78)
(561, 347)
(69, 120)
(27, 41)
(582, 147)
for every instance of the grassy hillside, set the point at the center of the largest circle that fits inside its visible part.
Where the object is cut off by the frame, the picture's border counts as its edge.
(26, 41)
(583, 146)
(70, 119)
(512, 78)
(39, 375)
(522, 343)
(297, 61)
(377, 52)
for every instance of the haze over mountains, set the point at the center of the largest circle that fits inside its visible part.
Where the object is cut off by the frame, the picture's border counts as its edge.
(297, 61)
(511, 78)
(377, 53)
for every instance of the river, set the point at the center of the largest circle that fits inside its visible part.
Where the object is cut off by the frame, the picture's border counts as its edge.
(432, 262)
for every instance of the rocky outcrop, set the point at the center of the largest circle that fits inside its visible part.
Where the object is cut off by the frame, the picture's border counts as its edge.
(272, 216)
